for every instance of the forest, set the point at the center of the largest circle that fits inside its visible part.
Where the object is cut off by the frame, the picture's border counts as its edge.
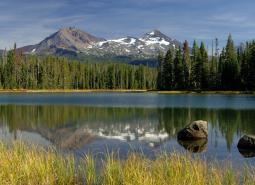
(231, 69)
(183, 68)
(18, 71)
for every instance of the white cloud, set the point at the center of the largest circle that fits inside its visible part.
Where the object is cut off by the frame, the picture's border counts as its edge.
(29, 21)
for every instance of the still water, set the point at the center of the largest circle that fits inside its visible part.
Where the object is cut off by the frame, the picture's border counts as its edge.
(99, 123)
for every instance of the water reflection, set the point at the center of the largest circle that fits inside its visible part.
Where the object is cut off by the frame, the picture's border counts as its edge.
(76, 127)
(195, 146)
(247, 153)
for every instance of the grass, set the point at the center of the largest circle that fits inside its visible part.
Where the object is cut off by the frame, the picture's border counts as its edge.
(70, 90)
(20, 164)
(122, 91)
(208, 92)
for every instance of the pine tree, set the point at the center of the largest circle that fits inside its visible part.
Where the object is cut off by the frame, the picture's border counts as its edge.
(230, 71)
(186, 65)
(160, 71)
(168, 71)
(251, 67)
(179, 78)
(195, 67)
(244, 71)
(213, 74)
(9, 70)
(204, 67)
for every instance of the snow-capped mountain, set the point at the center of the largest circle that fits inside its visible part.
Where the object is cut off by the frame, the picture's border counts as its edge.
(72, 41)
(149, 45)
(156, 37)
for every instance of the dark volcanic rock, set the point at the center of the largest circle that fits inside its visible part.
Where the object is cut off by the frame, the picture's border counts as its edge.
(195, 130)
(247, 142)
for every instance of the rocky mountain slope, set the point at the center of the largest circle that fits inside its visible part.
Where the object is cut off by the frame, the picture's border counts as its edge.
(72, 41)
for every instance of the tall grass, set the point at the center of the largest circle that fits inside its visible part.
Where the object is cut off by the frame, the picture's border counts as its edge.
(22, 165)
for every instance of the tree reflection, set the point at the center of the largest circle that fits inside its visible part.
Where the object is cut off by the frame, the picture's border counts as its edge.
(53, 120)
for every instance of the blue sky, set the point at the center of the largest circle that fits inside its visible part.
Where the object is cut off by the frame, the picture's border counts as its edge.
(29, 21)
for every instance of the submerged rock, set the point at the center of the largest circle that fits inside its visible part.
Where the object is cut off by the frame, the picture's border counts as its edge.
(247, 142)
(195, 130)
(195, 146)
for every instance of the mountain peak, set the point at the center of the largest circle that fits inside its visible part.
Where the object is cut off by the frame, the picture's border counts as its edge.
(156, 37)
(67, 29)
(69, 38)
(155, 32)
(76, 33)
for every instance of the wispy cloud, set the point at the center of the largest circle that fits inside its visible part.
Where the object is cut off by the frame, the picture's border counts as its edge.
(29, 21)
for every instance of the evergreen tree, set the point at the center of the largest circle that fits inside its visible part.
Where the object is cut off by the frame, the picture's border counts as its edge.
(196, 69)
(168, 71)
(244, 71)
(204, 67)
(9, 70)
(230, 70)
(251, 67)
(213, 74)
(179, 79)
(186, 65)
(160, 71)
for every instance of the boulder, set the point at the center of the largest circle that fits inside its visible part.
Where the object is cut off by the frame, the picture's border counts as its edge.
(247, 142)
(195, 130)
(195, 146)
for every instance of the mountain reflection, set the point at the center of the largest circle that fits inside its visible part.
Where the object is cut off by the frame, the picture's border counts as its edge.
(71, 127)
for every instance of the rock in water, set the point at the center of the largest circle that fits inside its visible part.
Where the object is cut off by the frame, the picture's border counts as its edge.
(247, 142)
(195, 130)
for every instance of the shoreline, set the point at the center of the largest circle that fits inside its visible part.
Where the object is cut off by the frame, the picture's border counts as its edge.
(122, 91)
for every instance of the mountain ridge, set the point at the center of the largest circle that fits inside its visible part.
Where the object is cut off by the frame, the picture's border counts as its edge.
(75, 42)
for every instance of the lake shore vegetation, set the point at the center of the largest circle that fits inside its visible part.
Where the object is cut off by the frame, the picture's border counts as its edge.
(23, 164)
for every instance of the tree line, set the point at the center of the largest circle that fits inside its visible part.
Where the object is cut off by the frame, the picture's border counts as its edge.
(183, 68)
(232, 69)
(18, 71)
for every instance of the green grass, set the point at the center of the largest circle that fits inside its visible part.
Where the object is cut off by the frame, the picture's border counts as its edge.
(173, 92)
(20, 164)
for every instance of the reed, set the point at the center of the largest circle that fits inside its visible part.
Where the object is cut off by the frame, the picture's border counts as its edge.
(21, 164)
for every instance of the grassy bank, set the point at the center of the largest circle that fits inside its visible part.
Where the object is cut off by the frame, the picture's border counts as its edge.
(207, 92)
(69, 90)
(120, 91)
(20, 164)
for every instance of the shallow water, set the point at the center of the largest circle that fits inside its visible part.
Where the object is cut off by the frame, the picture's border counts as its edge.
(99, 123)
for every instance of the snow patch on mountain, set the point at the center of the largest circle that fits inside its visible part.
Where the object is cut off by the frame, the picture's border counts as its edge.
(132, 41)
(121, 41)
(156, 40)
(152, 33)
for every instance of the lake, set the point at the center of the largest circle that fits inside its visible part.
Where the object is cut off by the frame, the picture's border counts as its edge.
(99, 123)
